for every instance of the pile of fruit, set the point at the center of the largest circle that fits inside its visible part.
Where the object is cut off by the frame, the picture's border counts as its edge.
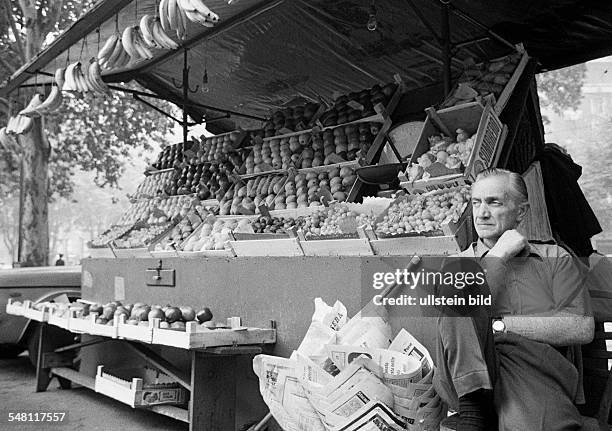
(336, 221)
(312, 149)
(141, 236)
(292, 119)
(345, 110)
(141, 313)
(424, 213)
(443, 152)
(484, 79)
(213, 236)
(137, 211)
(279, 192)
(170, 157)
(219, 148)
(184, 228)
(276, 224)
(154, 185)
(111, 234)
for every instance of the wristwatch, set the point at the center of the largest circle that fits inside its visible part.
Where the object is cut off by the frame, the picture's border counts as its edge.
(499, 327)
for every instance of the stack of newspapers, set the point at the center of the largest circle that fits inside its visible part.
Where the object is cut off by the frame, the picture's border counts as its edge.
(350, 375)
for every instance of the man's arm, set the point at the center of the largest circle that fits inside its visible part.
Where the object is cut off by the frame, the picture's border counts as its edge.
(557, 329)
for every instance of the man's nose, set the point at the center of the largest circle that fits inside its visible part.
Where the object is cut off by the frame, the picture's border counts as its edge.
(483, 211)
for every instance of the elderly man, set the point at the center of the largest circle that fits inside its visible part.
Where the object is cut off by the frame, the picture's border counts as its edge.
(505, 366)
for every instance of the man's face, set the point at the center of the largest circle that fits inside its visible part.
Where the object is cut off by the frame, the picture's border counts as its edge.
(493, 207)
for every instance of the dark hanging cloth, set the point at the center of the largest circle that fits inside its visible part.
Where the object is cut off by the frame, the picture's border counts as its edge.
(571, 216)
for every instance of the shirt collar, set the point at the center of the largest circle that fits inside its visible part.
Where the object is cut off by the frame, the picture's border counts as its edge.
(480, 250)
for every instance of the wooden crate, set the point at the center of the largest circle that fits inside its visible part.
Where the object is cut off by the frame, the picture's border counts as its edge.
(61, 321)
(126, 253)
(453, 237)
(337, 247)
(139, 332)
(474, 118)
(139, 387)
(198, 337)
(100, 252)
(79, 324)
(268, 247)
(206, 253)
(31, 313)
(164, 253)
(14, 307)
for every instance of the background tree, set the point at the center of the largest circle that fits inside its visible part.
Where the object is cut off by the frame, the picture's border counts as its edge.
(86, 134)
(561, 89)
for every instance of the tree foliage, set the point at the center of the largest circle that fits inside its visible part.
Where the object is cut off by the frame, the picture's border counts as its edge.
(561, 89)
(93, 134)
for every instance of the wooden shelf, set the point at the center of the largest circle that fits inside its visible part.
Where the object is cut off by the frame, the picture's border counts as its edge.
(323, 168)
(378, 118)
(174, 412)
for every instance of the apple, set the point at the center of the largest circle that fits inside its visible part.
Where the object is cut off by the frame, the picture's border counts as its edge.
(173, 314)
(156, 313)
(204, 315)
(188, 314)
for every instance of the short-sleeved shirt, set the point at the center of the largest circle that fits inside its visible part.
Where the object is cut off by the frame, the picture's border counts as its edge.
(543, 278)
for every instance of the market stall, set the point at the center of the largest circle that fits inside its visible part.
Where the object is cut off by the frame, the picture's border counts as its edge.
(292, 198)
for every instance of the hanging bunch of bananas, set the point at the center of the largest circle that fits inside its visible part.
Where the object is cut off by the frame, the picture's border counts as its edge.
(174, 15)
(80, 78)
(154, 35)
(112, 55)
(54, 100)
(196, 11)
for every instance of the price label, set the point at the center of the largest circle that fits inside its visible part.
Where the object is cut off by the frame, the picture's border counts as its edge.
(119, 289)
(356, 105)
(264, 210)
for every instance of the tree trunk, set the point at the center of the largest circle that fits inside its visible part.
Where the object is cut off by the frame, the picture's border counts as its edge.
(35, 211)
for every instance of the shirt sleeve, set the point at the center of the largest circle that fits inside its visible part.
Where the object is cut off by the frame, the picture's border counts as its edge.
(569, 289)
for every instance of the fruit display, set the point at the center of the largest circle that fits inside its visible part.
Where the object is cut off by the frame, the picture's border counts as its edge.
(109, 235)
(154, 185)
(213, 235)
(171, 156)
(291, 119)
(336, 221)
(207, 180)
(423, 214)
(309, 149)
(141, 236)
(357, 105)
(483, 79)
(443, 152)
(184, 228)
(281, 192)
(276, 224)
(171, 317)
(219, 148)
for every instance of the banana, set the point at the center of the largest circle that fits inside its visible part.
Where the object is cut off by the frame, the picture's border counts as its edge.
(163, 15)
(69, 84)
(112, 59)
(141, 46)
(186, 6)
(50, 102)
(146, 31)
(123, 59)
(108, 47)
(161, 37)
(127, 40)
(59, 76)
(80, 79)
(173, 16)
(10, 126)
(25, 125)
(30, 110)
(204, 10)
(199, 19)
(95, 77)
(181, 30)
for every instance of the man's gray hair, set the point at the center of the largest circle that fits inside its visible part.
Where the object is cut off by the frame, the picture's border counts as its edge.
(517, 183)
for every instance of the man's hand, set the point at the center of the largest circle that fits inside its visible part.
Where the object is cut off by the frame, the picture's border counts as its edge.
(510, 244)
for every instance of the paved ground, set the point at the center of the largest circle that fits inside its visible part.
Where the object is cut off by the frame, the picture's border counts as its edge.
(86, 410)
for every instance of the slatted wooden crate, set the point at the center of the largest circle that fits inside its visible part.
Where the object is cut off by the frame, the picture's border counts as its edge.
(139, 387)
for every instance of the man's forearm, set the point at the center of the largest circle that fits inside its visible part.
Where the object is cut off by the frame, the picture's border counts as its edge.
(559, 329)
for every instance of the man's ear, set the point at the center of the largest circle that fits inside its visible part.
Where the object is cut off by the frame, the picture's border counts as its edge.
(522, 212)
